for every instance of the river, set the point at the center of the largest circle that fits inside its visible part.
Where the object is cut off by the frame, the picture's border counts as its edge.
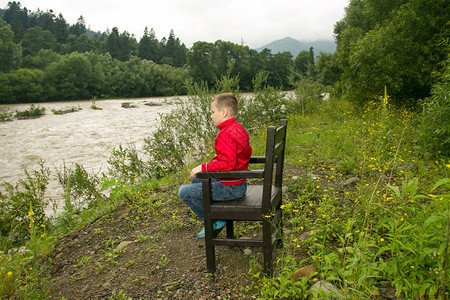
(86, 137)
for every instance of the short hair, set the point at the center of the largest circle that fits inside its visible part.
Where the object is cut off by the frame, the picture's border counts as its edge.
(227, 100)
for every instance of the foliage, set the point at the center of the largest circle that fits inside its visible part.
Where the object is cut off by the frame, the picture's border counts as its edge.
(81, 188)
(266, 105)
(126, 166)
(435, 130)
(308, 95)
(385, 231)
(392, 43)
(66, 110)
(23, 204)
(175, 144)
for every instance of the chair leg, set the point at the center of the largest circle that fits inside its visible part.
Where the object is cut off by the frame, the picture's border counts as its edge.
(267, 247)
(230, 229)
(210, 251)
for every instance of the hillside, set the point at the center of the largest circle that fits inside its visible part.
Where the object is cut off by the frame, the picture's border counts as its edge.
(295, 46)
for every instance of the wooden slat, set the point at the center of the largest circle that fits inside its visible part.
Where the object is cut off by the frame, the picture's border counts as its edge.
(257, 159)
(232, 174)
(237, 243)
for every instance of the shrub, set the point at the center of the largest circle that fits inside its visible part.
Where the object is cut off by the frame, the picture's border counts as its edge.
(81, 188)
(33, 111)
(435, 132)
(22, 203)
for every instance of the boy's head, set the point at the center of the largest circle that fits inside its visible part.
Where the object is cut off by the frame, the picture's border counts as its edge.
(223, 107)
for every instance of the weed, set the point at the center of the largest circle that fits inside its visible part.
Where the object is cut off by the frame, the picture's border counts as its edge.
(66, 110)
(32, 112)
(95, 107)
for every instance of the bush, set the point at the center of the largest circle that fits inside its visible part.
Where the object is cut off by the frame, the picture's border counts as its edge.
(435, 132)
(175, 144)
(21, 204)
(33, 111)
(81, 188)
(307, 92)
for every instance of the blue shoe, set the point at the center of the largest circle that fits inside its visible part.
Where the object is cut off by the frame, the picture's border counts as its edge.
(217, 227)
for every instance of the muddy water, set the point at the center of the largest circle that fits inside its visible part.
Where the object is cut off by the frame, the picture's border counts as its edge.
(85, 137)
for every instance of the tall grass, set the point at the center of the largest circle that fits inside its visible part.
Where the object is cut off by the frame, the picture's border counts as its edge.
(388, 230)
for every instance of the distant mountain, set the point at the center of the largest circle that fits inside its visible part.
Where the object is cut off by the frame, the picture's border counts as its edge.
(294, 46)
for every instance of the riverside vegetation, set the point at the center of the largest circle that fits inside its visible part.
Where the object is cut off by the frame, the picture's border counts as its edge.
(367, 204)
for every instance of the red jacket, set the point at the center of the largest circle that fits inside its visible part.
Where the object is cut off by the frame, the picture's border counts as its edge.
(232, 151)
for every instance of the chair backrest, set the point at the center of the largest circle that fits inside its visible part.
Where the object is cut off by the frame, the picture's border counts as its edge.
(275, 146)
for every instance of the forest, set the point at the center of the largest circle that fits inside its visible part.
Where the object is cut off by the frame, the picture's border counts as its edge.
(43, 58)
(399, 44)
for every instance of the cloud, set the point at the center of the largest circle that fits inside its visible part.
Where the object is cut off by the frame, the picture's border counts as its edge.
(257, 22)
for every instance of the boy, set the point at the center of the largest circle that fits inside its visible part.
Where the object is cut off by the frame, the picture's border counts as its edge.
(232, 153)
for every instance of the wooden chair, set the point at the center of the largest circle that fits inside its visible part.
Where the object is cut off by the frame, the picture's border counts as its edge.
(260, 203)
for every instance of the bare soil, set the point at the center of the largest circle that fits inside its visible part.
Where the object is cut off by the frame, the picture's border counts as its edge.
(143, 252)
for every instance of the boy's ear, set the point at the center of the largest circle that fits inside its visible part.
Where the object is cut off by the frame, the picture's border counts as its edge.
(225, 112)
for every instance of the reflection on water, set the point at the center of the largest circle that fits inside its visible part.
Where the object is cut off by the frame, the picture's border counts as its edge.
(85, 137)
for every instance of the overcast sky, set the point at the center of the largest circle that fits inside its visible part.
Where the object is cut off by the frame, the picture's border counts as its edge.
(255, 22)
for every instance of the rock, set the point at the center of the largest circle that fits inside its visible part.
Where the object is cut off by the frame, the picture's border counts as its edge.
(388, 292)
(128, 105)
(313, 176)
(405, 166)
(247, 251)
(294, 177)
(153, 104)
(123, 245)
(305, 236)
(351, 180)
(119, 215)
(305, 271)
(325, 287)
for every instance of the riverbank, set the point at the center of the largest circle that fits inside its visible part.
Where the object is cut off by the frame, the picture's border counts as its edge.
(366, 209)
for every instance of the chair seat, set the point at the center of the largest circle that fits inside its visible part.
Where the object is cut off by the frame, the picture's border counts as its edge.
(246, 208)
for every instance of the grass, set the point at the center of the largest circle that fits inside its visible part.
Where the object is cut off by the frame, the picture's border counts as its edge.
(386, 230)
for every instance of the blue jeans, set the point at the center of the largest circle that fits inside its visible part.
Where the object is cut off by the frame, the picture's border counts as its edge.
(192, 194)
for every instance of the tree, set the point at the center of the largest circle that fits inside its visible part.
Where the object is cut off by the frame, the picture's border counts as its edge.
(328, 71)
(173, 53)
(120, 46)
(17, 18)
(79, 28)
(60, 30)
(148, 47)
(42, 60)
(69, 78)
(393, 44)
(301, 62)
(36, 39)
(280, 69)
(81, 43)
(203, 62)
(10, 53)
(113, 43)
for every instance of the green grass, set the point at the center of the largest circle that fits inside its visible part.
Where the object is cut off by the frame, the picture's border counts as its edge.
(388, 229)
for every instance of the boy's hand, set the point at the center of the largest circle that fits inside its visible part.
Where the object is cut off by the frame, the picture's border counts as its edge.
(196, 170)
